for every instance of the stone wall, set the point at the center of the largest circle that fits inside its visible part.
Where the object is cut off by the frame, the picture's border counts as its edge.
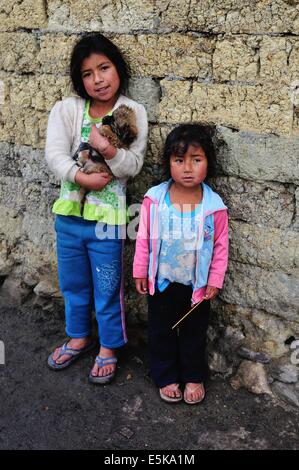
(231, 63)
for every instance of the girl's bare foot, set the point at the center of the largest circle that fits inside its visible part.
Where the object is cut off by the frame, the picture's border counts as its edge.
(108, 369)
(194, 393)
(74, 343)
(171, 391)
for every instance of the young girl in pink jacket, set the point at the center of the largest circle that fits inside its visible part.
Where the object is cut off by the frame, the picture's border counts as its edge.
(180, 261)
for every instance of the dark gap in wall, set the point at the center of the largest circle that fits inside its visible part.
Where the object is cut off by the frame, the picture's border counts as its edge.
(289, 340)
(46, 8)
(2, 279)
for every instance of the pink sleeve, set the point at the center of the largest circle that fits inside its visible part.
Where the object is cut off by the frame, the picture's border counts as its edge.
(220, 252)
(141, 258)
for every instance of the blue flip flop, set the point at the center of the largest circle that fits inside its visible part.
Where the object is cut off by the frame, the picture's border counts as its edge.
(101, 362)
(74, 353)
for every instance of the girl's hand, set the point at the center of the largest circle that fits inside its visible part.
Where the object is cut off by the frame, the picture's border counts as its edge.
(97, 141)
(94, 181)
(141, 285)
(101, 144)
(211, 292)
(98, 181)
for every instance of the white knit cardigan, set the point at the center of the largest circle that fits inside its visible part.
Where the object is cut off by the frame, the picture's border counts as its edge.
(64, 134)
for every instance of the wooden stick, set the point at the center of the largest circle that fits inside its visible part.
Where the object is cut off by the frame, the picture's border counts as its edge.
(196, 305)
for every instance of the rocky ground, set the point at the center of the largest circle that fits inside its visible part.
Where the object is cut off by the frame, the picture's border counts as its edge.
(41, 409)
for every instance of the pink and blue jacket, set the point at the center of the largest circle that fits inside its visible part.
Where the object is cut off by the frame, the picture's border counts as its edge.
(212, 248)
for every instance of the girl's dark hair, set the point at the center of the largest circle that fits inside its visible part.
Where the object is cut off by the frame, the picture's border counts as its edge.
(98, 44)
(181, 137)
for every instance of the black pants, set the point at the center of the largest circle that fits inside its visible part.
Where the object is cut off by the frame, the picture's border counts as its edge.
(177, 355)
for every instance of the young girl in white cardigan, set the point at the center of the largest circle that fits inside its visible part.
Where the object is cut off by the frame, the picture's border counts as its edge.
(89, 241)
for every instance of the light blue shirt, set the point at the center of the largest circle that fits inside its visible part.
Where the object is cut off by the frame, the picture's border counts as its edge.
(179, 238)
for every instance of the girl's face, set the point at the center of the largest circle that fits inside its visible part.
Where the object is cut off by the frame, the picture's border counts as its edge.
(191, 169)
(100, 78)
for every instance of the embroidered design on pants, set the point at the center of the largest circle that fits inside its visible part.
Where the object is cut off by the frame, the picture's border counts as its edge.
(109, 276)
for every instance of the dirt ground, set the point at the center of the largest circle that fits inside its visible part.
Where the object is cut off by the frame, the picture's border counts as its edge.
(41, 409)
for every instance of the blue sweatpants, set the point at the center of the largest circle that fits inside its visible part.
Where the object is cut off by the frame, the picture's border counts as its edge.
(90, 276)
